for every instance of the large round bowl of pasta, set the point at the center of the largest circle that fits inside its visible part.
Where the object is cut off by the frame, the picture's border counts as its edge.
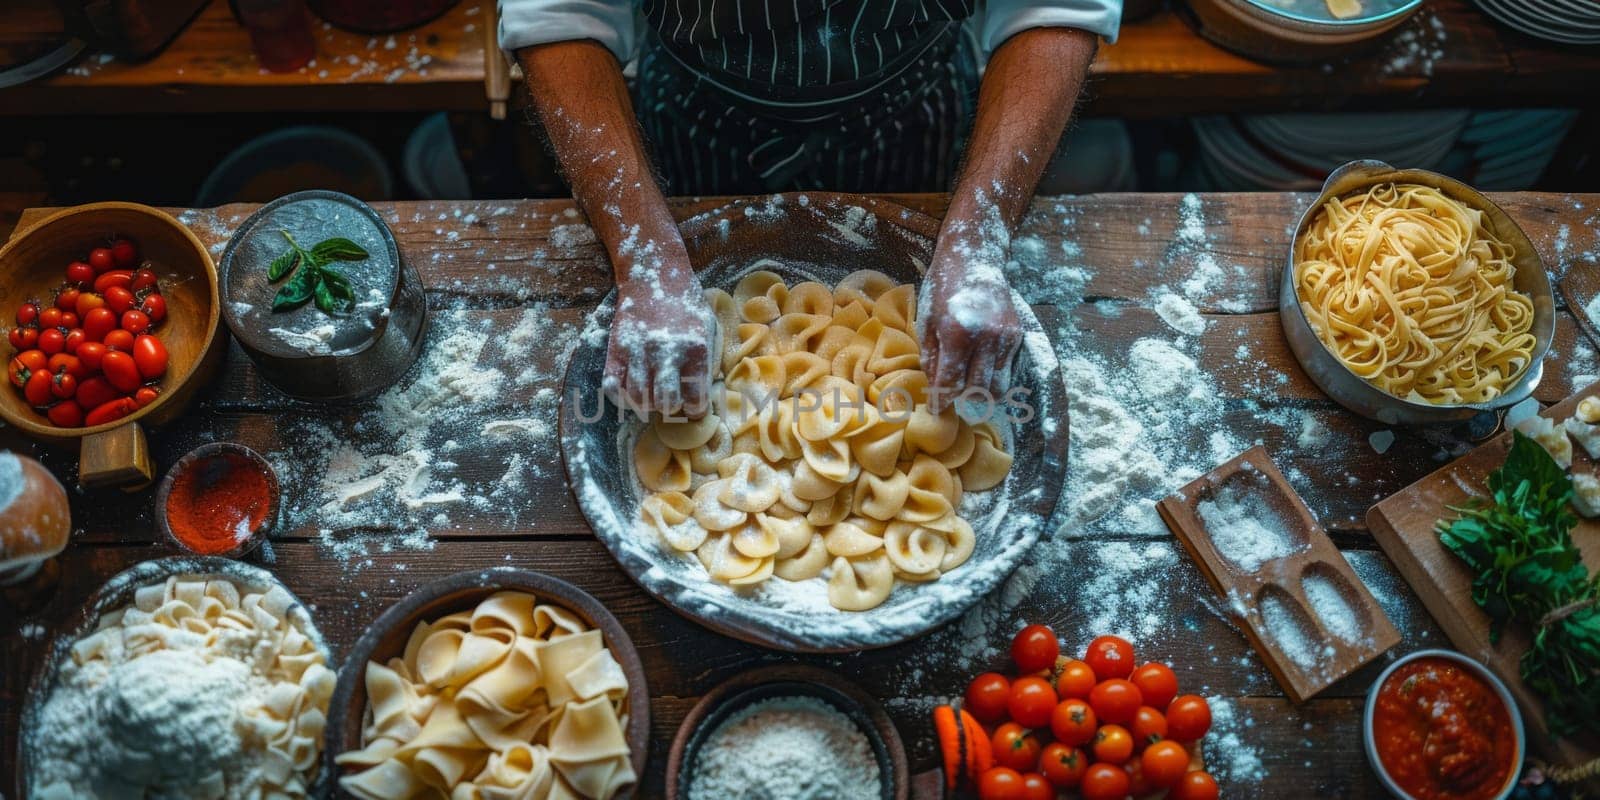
(189, 602)
(820, 506)
(1412, 299)
(499, 683)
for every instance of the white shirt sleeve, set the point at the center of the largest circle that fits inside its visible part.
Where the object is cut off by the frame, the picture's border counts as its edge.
(529, 22)
(999, 20)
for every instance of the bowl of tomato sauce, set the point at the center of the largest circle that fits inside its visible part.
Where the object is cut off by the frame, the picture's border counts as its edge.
(1441, 726)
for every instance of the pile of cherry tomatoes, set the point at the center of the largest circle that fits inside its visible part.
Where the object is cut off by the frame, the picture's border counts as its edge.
(91, 355)
(1098, 727)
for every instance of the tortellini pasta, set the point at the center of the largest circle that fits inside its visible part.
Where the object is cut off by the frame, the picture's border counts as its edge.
(513, 700)
(821, 457)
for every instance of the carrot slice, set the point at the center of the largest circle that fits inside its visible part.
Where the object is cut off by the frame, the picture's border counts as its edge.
(949, 732)
(980, 754)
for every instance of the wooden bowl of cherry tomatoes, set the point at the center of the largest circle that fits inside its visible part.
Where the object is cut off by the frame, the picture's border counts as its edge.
(1098, 727)
(111, 318)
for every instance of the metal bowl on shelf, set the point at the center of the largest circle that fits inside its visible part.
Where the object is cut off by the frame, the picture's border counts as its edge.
(1355, 393)
(1297, 31)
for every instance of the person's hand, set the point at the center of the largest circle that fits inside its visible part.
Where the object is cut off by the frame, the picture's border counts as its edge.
(659, 354)
(969, 325)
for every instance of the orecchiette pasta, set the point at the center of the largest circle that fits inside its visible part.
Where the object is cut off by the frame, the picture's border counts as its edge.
(512, 700)
(820, 456)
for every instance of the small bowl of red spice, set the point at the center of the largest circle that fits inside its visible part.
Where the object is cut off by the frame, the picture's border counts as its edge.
(1441, 726)
(219, 500)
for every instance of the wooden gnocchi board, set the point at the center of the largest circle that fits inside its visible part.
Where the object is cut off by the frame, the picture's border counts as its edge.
(1403, 524)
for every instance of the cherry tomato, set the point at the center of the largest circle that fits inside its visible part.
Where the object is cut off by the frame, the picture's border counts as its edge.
(101, 259)
(1063, 766)
(24, 338)
(156, 306)
(987, 695)
(50, 318)
(52, 341)
(1035, 648)
(1000, 783)
(37, 390)
(124, 254)
(1112, 744)
(80, 273)
(1115, 700)
(1195, 785)
(142, 279)
(63, 385)
(119, 339)
(99, 322)
(1073, 722)
(1164, 763)
(108, 412)
(135, 321)
(121, 371)
(116, 278)
(67, 299)
(119, 299)
(75, 339)
(65, 362)
(90, 354)
(1104, 782)
(1015, 747)
(33, 359)
(146, 395)
(1188, 718)
(27, 314)
(1076, 680)
(150, 355)
(1110, 657)
(1035, 787)
(1149, 726)
(65, 414)
(1156, 684)
(17, 371)
(1031, 702)
(95, 392)
(1138, 784)
(88, 301)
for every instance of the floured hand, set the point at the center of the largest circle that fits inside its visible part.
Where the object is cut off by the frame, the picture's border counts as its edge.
(658, 357)
(968, 324)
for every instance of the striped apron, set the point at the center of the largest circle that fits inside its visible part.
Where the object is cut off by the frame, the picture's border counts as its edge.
(752, 96)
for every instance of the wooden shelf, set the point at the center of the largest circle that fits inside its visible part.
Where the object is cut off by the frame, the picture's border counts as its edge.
(1449, 54)
(210, 68)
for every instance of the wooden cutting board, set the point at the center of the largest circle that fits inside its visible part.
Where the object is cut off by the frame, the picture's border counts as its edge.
(1404, 527)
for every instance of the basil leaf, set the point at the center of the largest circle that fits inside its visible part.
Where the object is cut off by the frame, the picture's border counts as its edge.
(338, 288)
(325, 299)
(282, 265)
(296, 292)
(338, 249)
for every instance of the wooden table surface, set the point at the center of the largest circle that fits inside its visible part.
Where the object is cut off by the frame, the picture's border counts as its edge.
(1450, 53)
(1127, 243)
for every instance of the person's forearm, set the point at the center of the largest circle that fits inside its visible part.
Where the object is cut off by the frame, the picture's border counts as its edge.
(1027, 96)
(582, 101)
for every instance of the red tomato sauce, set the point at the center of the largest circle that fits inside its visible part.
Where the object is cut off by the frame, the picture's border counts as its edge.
(1442, 733)
(217, 502)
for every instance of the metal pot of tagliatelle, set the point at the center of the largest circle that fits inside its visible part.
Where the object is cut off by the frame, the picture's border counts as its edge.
(1362, 396)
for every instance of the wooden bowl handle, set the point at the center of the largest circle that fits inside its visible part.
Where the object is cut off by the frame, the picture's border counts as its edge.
(118, 457)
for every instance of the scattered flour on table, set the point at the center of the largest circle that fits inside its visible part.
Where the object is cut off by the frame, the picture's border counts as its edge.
(1232, 755)
(785, 748)
(1178, 312)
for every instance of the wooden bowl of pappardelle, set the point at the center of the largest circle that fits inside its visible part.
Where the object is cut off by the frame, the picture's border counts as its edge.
(386, 638)
(31, 266)
(788, 680)
(1355, 393)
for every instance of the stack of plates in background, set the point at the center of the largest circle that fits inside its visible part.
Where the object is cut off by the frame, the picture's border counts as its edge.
(1096, 155)
(1565, 21)
(1295, 152)
(1509, 150)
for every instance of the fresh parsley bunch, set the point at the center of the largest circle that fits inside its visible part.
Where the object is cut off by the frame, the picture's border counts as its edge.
(314, 278)
(1528, 571)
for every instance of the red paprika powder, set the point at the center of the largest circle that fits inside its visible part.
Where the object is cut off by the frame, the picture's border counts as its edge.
(217, 502)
